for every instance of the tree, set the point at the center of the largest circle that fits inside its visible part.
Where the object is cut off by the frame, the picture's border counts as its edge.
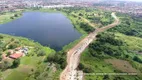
(8, 53)
(81, 66)
(106, 77)
(15, 15)
(87, 69)
(5, 64)
(37, 73)
(0, 57)
(126, 56)
(80, 14)
(118, 78)
(86, 27)
(50, 58)
(16, 63)
(108, 44)
(12, 39)
(57, 58)
(11, 17)
(41, 53)
(12, 46)
(1, 37)
(63, 64)
(137, 59)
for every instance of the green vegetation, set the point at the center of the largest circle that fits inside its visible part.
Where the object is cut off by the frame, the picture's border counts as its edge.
(57, 58)
(86, 27)
(109, 46)
(41, 10)
(106, 44)
(9, 16)
(129, 25)
(26, 65)
(121, 44)
(84, 18)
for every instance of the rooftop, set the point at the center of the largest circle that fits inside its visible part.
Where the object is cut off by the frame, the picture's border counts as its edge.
(16, 55)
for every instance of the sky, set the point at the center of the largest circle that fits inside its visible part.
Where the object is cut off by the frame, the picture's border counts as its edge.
(132, 0)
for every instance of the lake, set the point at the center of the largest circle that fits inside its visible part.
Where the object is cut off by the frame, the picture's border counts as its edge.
(49, 29)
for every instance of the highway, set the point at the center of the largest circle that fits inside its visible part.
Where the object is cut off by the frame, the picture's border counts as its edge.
(73, 55)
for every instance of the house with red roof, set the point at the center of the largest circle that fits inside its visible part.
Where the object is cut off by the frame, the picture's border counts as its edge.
(16, 55)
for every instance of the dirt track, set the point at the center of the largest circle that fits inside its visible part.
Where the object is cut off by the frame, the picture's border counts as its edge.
(73, 55)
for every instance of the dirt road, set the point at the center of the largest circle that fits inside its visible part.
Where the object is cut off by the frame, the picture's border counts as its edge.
(73, 55)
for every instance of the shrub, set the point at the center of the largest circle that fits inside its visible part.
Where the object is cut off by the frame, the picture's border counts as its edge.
(106, 43)
(11, 17)
(5, 65)
(0, 57)
(56, 58)
(137, 59)
(15, 15)
(1, 37)
(16, 63)
(41, 53)
(12, 46)
(8, 53)
(86, 27)
(87, 69)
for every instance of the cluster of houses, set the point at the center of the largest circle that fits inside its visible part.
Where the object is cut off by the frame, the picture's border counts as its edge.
(18, 52)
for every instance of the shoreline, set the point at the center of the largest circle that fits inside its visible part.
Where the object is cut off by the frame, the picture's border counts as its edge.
(24, 38)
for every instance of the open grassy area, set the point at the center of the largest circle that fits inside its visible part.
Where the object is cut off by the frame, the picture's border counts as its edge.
(9, 16)
(31, 61)
(134, 43)
(16, 75)
(95, 64)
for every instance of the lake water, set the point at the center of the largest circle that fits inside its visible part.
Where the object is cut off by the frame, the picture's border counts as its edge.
(49, 29)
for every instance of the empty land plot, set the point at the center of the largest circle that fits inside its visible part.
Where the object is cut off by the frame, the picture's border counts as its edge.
(121, 65)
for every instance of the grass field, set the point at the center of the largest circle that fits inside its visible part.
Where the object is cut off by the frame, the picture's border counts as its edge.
(98, 65)
(5, 18)
(134, 43)
(19, 73)
(16, 75)
(9, 16)
(31, 61)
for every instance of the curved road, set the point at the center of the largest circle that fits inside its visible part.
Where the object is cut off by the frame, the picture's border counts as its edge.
(73, 55)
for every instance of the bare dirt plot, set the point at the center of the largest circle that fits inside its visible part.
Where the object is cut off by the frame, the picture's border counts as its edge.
(122, 65)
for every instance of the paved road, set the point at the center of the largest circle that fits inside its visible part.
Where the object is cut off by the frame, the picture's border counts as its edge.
(73, 55)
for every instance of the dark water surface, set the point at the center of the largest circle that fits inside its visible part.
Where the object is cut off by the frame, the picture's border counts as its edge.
(49, 29)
